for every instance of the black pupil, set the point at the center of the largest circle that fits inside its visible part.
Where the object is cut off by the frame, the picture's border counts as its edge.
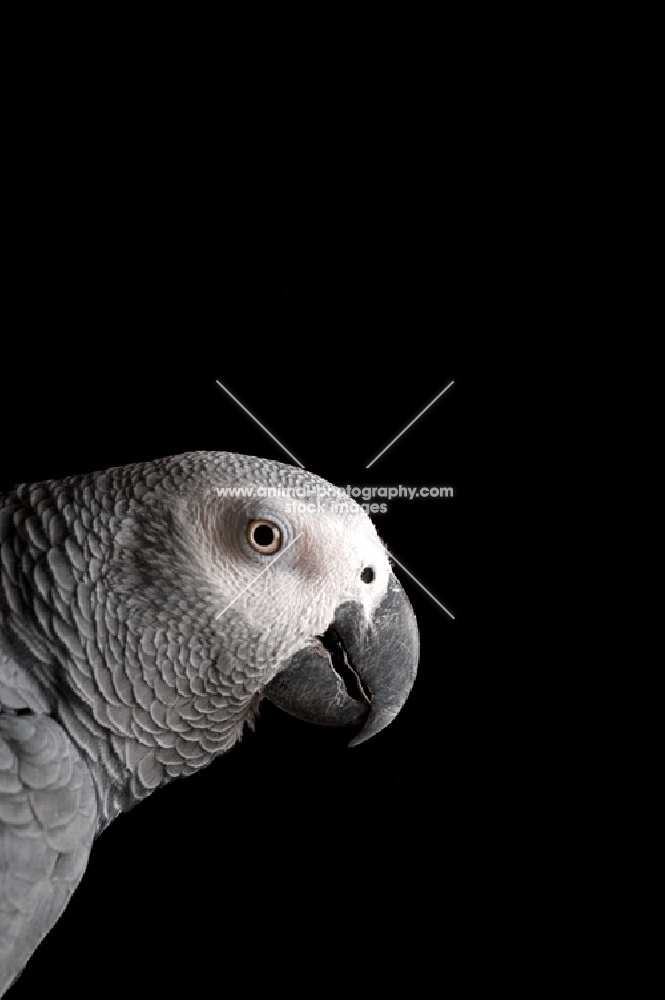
(367, 574)
(263, 535)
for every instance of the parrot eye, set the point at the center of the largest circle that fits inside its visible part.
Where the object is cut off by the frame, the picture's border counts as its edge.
(264, 537)
(367, 574)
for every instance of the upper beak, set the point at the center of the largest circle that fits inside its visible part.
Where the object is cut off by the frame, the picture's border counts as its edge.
(355, 673)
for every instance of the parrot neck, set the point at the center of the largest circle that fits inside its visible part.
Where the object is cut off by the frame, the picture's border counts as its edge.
(164, 733)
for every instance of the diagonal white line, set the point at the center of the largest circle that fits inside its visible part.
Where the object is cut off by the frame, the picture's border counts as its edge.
(406, 429)
(271, 563)
(415, 579)
(260, 425)
(410, 574)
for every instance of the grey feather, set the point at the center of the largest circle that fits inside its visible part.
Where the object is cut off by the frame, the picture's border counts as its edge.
(48, 818)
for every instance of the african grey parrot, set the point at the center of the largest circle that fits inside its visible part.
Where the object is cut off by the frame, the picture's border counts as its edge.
(143, 617)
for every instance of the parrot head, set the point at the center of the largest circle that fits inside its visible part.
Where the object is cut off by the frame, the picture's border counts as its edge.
(274, 581)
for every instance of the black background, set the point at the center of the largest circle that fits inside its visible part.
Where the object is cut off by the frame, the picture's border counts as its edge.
(292, 846)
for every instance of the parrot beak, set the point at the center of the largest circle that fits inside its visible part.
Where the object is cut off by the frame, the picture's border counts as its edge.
(354, 674)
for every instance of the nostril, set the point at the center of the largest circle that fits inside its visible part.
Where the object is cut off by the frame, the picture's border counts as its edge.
(367, 574)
